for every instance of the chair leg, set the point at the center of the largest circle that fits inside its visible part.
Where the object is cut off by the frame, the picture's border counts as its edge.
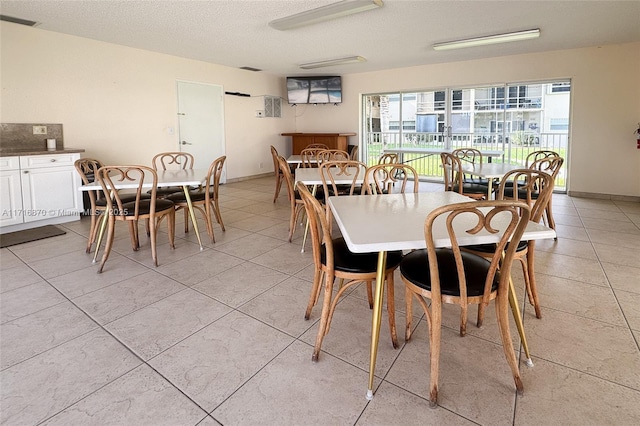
(186, 219)
(171, 228)
(391, 310)
(464, 308)
(317, 280)
(109, 243)
(208, 221)
(369, 293)
(216, 210)
(93, 230)
(530, 274)
(503, 322)
(434, 342)
(132, 235)
(326, 307)
(549, 215)
(153, 236)
(408, 297)
(278, 186)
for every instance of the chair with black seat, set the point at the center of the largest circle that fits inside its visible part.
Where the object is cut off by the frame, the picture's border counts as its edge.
(152, 209)
(470, 156)
(332, 259)
(344, 177)
(171, 161)
(382, 179)
(87, 168)
(454, 179)
(549, 162)
(276, 170)
(450, 275)
(309, 157)
(332, 155)
(534, 188)
(205, 199)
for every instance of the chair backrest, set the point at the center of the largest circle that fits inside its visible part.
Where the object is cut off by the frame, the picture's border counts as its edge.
(469, 155)
(172, 160)
(465, 219)
(332, 155)
(88, 170)
(388, 158)
(342, 177)
(110, 176)
(539, 155)
(319, 228)
(382, 178)
(551, 165)
(317, 146)
(355, 153)
(274, 157)
(213, 178)
(534, 187)
(452, 172)
(309, 157)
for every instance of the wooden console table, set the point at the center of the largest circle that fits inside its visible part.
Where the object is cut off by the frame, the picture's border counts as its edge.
(333, 140)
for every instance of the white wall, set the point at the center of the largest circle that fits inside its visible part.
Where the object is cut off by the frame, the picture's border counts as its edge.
(116, 102)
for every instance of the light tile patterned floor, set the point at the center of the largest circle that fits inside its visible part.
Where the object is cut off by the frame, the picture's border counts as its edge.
(218, 336)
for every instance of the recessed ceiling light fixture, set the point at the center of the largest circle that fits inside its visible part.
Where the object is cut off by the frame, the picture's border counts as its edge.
(324, 13)
(492, 39)
(331, 62)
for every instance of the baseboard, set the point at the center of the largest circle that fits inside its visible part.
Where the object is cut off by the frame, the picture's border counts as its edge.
(240, 179)
(612, 197)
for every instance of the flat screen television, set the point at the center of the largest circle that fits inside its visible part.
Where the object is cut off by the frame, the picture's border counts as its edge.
(314, 90)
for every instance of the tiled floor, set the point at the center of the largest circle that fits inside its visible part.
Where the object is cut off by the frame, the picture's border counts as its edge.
(218, 336)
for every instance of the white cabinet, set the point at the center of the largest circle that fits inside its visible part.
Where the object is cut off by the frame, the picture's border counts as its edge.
(11, 199)
(44, 190)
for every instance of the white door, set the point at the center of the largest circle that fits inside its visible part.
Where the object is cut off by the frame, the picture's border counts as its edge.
(201, 122)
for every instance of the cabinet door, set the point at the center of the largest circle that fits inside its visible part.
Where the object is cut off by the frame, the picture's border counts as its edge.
(50, 192)
(11, 198)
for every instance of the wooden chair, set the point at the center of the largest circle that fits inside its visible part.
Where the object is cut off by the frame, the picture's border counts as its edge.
(454, 180)
(317, 146)
(309, 157)
(534, 188)
(277, 171)
(470, 156)
(333, 172)
(332, 259)
(168, 161)
(297, 206)
(355, 153)
(382, 178)
(549, 162)
(388, 158)
(204, 200)
(152, 209)
(332, 155)
(87, 168)
(450, 275)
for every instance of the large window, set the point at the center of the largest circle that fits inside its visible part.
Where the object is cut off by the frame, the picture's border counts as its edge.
(513, 118)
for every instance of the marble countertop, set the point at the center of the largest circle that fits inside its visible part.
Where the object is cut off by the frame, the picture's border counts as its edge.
(14, 152)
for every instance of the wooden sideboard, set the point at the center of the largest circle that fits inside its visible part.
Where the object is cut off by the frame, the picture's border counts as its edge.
(333, 140)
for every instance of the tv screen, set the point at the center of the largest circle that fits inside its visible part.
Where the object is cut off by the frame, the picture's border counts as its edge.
(314, 90)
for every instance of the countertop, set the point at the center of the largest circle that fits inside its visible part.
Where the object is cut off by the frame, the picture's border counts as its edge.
(14, 152)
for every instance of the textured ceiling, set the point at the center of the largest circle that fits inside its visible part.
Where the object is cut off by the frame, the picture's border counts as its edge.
(399, 34)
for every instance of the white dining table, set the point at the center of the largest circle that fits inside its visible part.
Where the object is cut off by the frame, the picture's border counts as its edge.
(489, 171)
(183, 177)
(388, 222)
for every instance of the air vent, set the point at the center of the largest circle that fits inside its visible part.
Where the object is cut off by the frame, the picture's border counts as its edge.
(18, 21)
(272, 106)
(250, 69)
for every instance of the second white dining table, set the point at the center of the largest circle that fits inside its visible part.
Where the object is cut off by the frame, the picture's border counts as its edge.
(184, 178)
(388, 222)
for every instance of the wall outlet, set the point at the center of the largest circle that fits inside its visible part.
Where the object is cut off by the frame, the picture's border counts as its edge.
(261, 165)
(259, 113)
(39, 130)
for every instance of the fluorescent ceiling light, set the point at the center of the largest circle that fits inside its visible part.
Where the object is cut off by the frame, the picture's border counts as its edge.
(492, 39)
(324, 13)
(331, 62)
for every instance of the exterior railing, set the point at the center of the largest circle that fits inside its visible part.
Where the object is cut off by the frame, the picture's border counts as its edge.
(516, 147)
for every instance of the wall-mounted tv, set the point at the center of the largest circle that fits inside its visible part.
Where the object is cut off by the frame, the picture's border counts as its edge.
(314, 90)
